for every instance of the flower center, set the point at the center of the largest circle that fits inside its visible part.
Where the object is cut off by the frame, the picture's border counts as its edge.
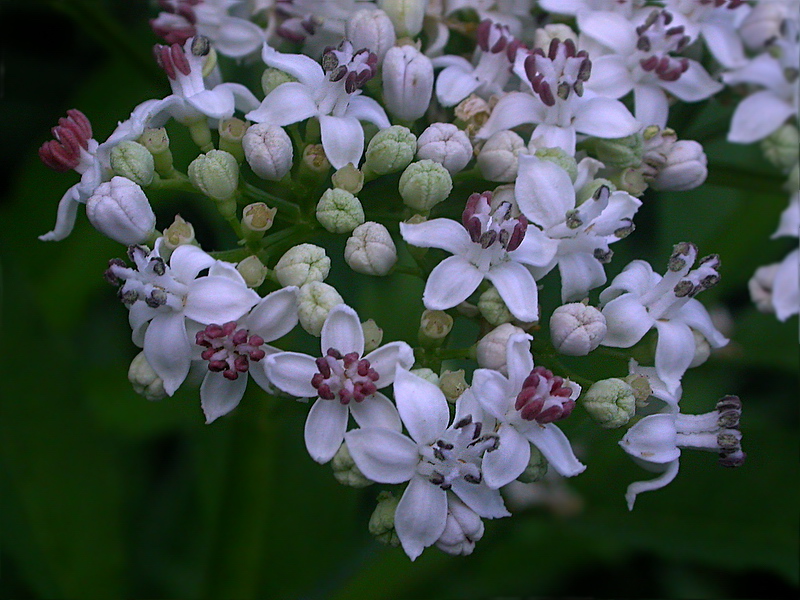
(656, 41)
(559, 73)
(493, 226)
(149, 281)
(354, 68)
(72, 135)
(347, 377)
(229, 350)
(544, 397)
(457, 454)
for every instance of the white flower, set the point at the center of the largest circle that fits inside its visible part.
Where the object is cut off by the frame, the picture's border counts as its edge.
(435, 459)
(639, 299)
(574, 237)
(331, 93)
(230, 348)
(343, 380)
(491, 244)
(525, 404)
(161, 298)
(640, 60)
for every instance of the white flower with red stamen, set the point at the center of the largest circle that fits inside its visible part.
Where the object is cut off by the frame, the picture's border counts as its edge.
(331, 93)
(343, 380)
(556, 101)
(491, 244)
(162, 297)
(231, 349)
(640, 60)
(435, 460)
(523, 408)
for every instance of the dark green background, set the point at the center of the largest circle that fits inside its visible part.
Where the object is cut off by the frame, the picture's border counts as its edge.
(106, 495)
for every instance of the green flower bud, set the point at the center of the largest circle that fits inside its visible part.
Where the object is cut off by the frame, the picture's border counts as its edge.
(391, 150)
(610, 402)
(561, 158)
(253, 271)
(157, 143)
(493, 309)
(315, 301)
(348, 178)
(339, 211)
(144, 379)
(591, 188)
(381, 523)
(373, 335)
(272, 78)
(303, 264)
(453, 384)
(619, 152)
(424, 184)
(345, 470)
(133, 161)
(782, 147)
(216, 174)
(427, 374)
(370, 250)
(536, 469)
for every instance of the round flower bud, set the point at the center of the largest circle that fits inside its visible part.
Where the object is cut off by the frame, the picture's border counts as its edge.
(493, 309)
(133, 161)
(338, 211)
(544, 35)
(144, 379)
(370, 249)
(462, 529)
(406, 15)
(447, 145)
(577, 328)
(345, 470)
(561, 158)
(536, 469)
(498, 156)
(782, 147)
(302, 264)
(434, 326)
(407, 82)
(381, 523)
(764, 23)
(685, 169)
(348, 178)
(453, 384)
(253, 271)
(178, 234)
(315, 301)
(391, 150)
(373, 335)
(371, 29)
(424, 184)
(268, 151)
(610, 402)
(492, 348)
(120, 210)
(216, 174)
(761, 285)
(426, 374)
(272, 78)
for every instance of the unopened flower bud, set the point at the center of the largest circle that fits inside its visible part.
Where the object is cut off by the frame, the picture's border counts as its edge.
(492, 348)
(272, 78)
(424, 184)
(761, 285)
(782, 147)
(543, 36)
(577, 328)
(339, 211)
(253, 271)
(373, 335)
(610, 402)
(685, 169)
(315, 301)
(144, 379)
(447, 145)
(619, 152)
(763, 23)
(407, 82)
(372, 29)
(453, 384)
(427, 374)
(345, 470)
(119, 209)
(381, 523)
(498, 156)
(133, 161)
(216, 174)
(559, 157)
(493, 308)
(348, 178)
(268, 151)
(463, 527)
(536, 469)
(434, 327)
(390, 150)
(370, 249)
(303, 264)
(179, 233)
(406, 15)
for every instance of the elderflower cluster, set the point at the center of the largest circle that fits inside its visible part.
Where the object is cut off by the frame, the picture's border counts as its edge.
(489, 175)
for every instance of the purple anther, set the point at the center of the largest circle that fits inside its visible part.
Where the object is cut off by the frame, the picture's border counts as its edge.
(179, 59)
(544, 397)
(71, 135)
(546, 94)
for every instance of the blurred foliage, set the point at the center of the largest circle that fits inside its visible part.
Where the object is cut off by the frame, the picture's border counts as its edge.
(106, 495)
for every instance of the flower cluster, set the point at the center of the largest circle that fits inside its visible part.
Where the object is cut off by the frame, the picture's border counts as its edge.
(480, 171)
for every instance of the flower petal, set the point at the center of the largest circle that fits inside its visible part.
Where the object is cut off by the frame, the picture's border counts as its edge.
(519, 360)
(536, 249)
(446, 234)
(324, 429)
(275, 315)
(696, 316)
(303, 68)
(627, 321)
(610, 77)
(757, 116)
(786, 291)
(383, 455)
(555, 447)
(674, 352)
(454, 84)
(167, 349)
(504, 464)
(216, 103)
(187, 261)
(515, 108)
(580, 272)
(517, 288)
(553, 136)
(292, 372)
(342, 139)
(366, 109)
(218, 300)
(286, 104)
(493, 392)
(479, 497)
(387, 358)
(650, 105)
(421, 516)
(342, 331)
(238, 37)
(376, 411)
(65, 216)
(611, 29)
(450, 283)
(219, 396)
(421, 405)
(605, 118)
(543, 191)
(694, 85)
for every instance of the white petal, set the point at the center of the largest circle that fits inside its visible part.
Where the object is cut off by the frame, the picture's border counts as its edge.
(637, 277)
(303, 68)
(763, 70)
(292, 372)
(218, 300)
(342, 139)
(486, 502)
(757, 116)
(387, 358)
(650, 105)
(519, 360)
(786, 291)
(553, 136)
(493, 392)
(324, 429)
(243, 98)
(286, 104)
(167, 349)
(694, 85)
(383, 455)
(605, 118)
(654, 484)
(695, 315)
(365, 108)
(789, 224)
(580, 272)
(515, 108)
(610, 77)
(446, 234)
(627, 321)
(555, 447)
(724, 43)
(420, 516)
(517, 288)
(543, 191)
(219, 396)
(504, 464)
(238, 37)
(376, 411)
(342, 331)
(187, 261)
(536, 249)
(65, 216)
(421, 405)
(611, 29)
(454, 84)
(674, 352)
(275, 315)
(450, 283)
(217, 103)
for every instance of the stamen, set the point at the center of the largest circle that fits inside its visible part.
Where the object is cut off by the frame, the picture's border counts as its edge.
(229, 350)
(347, 377)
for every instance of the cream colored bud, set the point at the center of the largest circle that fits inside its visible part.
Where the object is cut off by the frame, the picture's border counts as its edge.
(348, 178)
(536, 469)
(381, 522)
(253, 271)
(492, 348)
(370, 249)
(155, 140)
(686, 167)
(179, 233)
(390, 150)
(764, 23)
(315, 301)
(372, 29)
(424, 184)
(560, 158)
(314, 159)
(231, 134)
(434, 326)
(272, 78)
(498, 157)
(426, 374)
(119, 209)
(216, 174)
(268, 150)
(345, 470)
(621, 153)
(406, 15)
(373, 335)
(338, 211)
(445, 144)
(577, 328)
(407, 77)
(133, 161)
(303, 264)
(453, 384)
(257, 218)
(144, 379)
(610, 402)
(631, 181)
